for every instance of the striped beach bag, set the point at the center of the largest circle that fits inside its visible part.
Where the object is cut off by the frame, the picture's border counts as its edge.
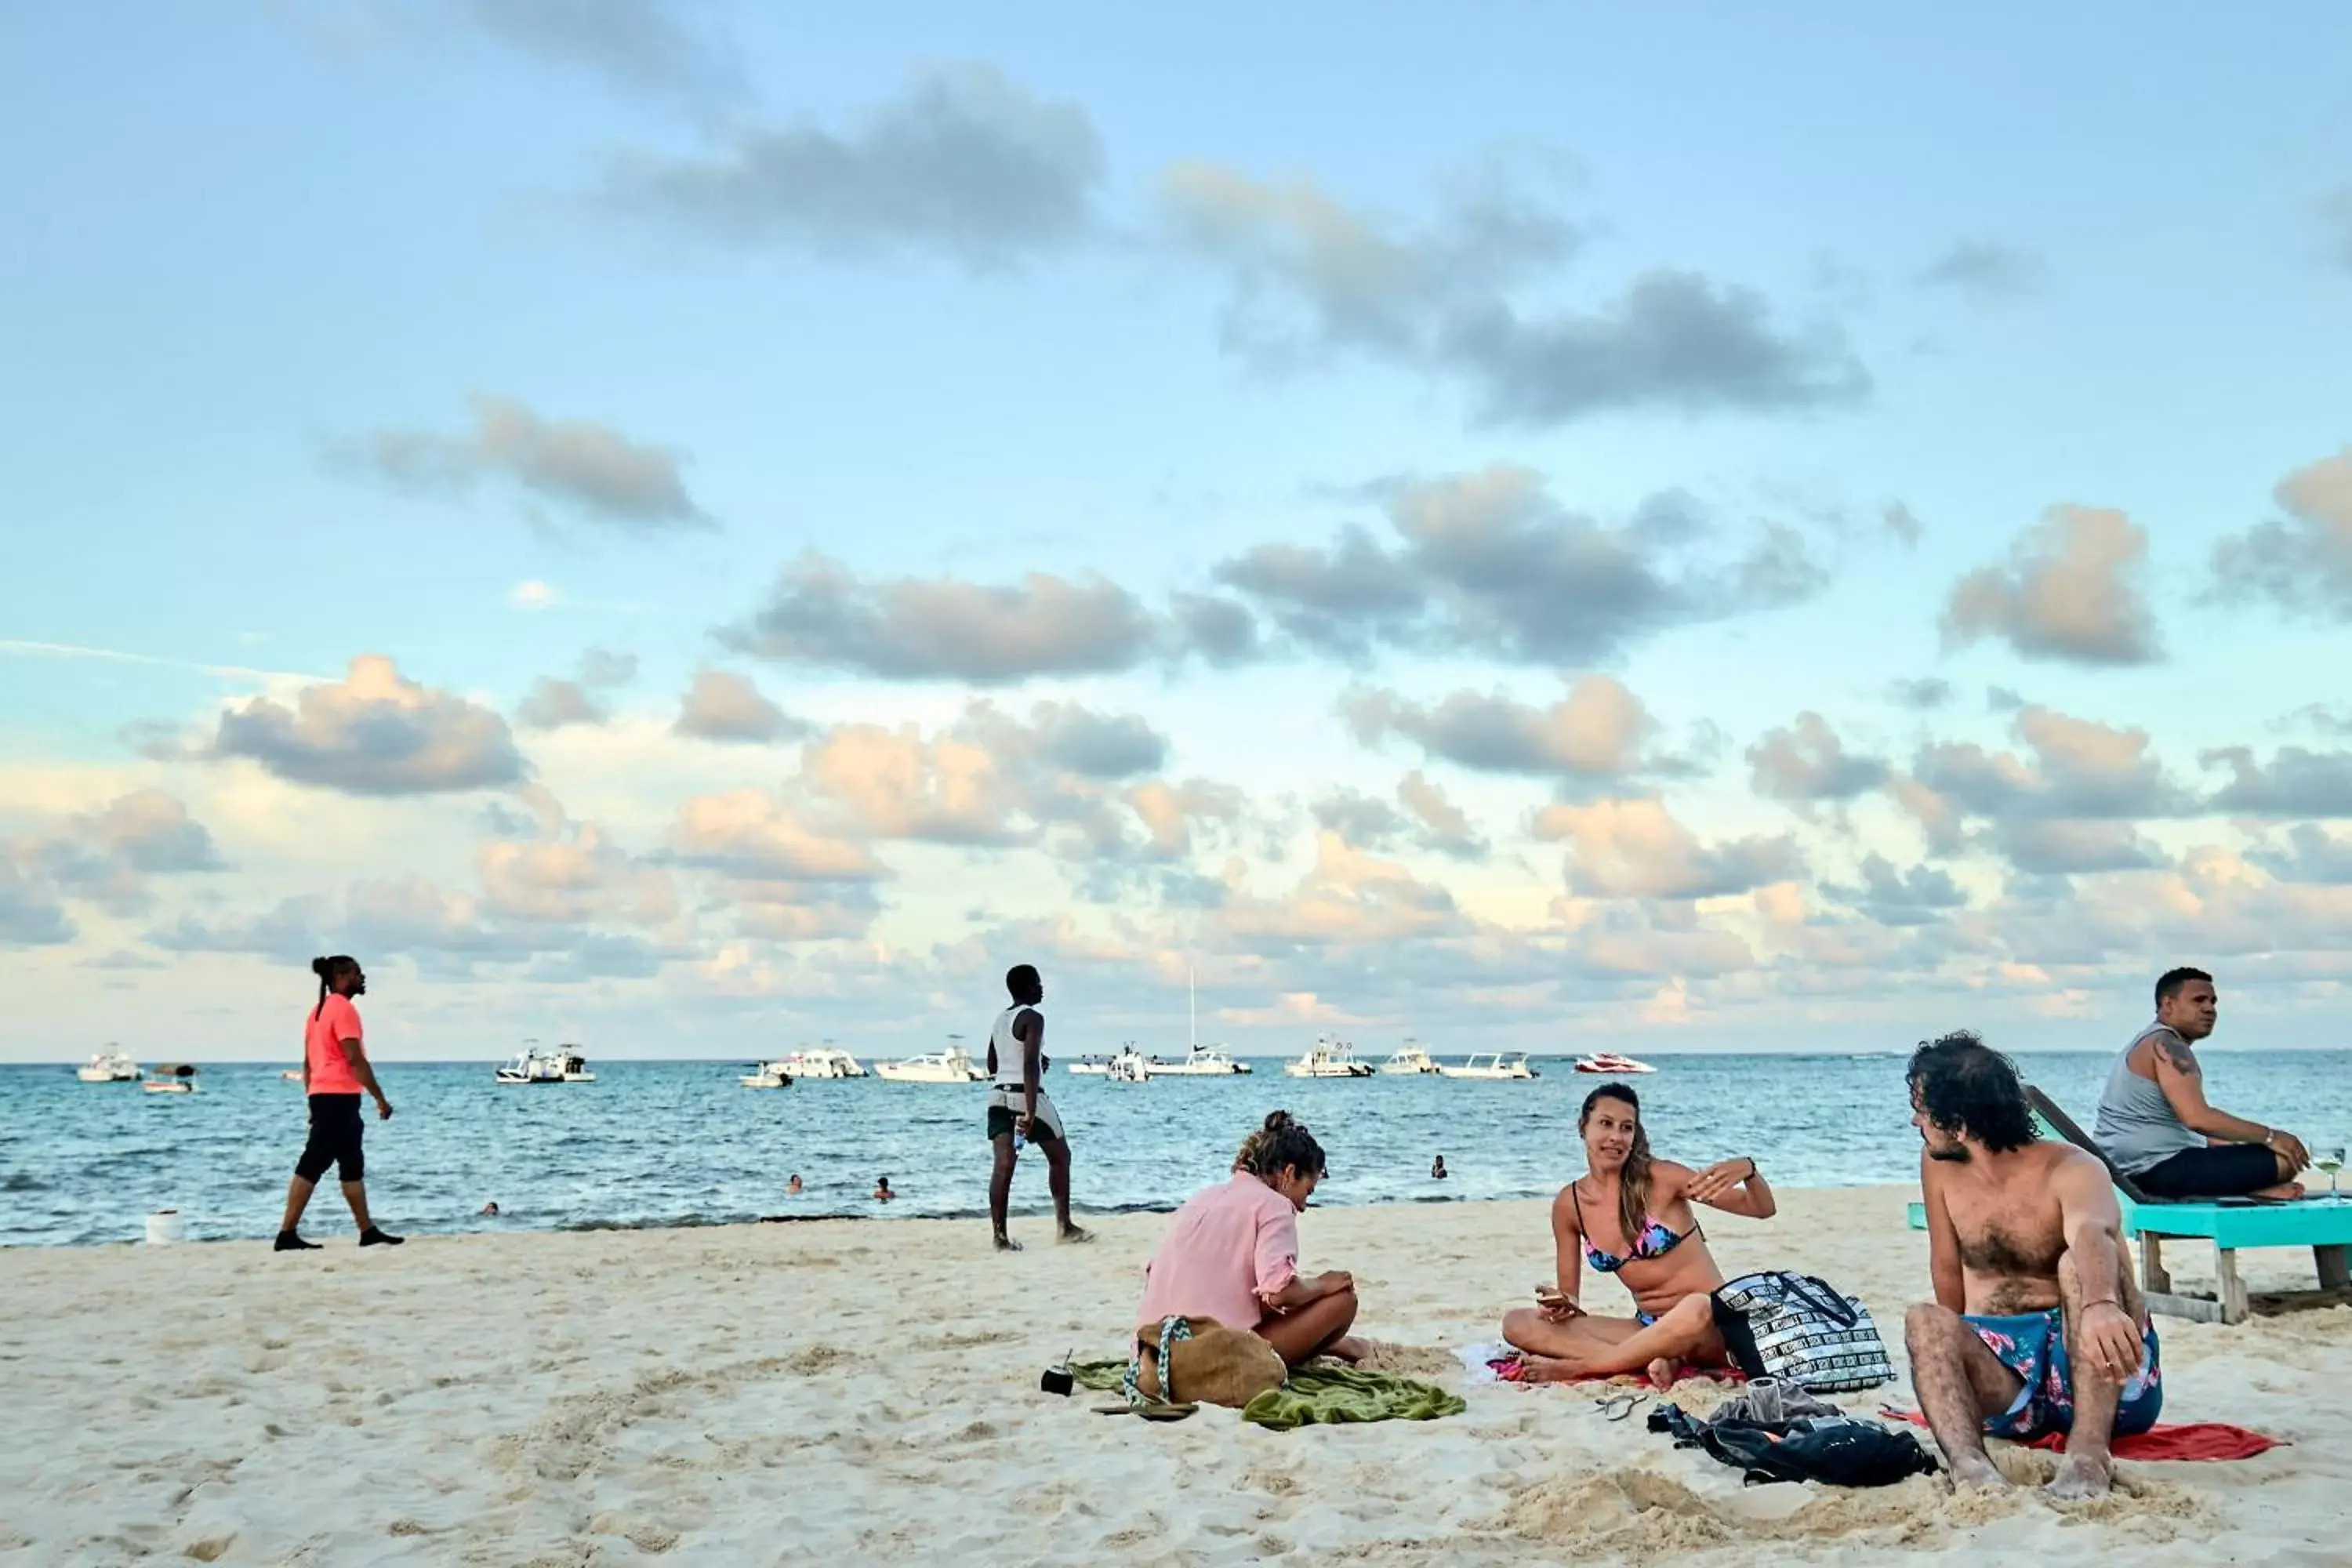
(1797, 1327)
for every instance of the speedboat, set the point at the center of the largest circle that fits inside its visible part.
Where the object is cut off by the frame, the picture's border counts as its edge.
(766, 1075)
(1409, 1057)
(109, 1066)
(824, 1061)
(1129, 1066)
(292, 1075)
(1491, 1065)
(171, 1078)
(1327, 1057)
(954, 1064)
(564, 1064)
(1200, 1061)
(1610, 1062)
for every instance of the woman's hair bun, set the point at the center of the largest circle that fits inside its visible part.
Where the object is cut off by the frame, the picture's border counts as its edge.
(1278, 1121)
(319, 967)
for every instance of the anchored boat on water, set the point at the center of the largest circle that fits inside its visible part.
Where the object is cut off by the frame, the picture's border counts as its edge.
(1327, 1057)
(1491, 1065)
(1612, 1064)
(564, 1064)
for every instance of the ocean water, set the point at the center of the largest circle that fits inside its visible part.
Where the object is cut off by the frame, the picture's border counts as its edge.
(680, 1142)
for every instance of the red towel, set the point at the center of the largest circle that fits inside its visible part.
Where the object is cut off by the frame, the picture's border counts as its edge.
(2165, 1440)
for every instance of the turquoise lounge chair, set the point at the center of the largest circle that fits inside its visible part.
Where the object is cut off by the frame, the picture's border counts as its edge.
(2229, 1224)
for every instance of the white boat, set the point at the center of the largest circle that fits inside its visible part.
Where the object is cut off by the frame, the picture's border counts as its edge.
(171, 1078)
(766, 1075)
(954, 1064)
(1129, 1066)
(824, 1061)
(1327, 1057)
(1089, 1067)
(564, 1064)
(1610, 1062)
(292, 1075)
(1491, 1065)
(1409, 1057)
(1200, 1061)
(109, 1066)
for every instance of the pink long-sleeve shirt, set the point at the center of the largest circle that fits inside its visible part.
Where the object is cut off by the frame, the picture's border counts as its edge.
(1232, 1249)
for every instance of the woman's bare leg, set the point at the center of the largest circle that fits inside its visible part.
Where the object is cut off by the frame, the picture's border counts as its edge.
(1319, 1327)
(1605, 1347)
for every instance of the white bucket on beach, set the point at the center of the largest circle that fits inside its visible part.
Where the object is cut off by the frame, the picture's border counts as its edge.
(165, 1226)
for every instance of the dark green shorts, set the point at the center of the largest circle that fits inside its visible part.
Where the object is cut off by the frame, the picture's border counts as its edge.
(1046, 1129)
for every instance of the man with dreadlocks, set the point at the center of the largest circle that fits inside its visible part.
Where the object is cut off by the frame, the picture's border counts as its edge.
(2035, 1327)
(335, 1072)
(1232, 1254)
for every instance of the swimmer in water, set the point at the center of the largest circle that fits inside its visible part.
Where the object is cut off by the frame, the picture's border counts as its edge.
(882, 1192)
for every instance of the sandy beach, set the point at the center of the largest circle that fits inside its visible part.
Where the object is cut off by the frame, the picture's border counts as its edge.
(867, 1392)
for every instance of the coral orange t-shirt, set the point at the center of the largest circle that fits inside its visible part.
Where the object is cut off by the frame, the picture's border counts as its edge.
(323, 1047)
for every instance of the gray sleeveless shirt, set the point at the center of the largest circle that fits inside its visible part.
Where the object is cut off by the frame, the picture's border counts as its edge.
(2136, 1125)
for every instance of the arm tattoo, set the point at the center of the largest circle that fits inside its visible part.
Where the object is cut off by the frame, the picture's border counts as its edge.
(2175, 1051)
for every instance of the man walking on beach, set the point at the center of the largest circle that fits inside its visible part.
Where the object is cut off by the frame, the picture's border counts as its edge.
(335, 1070)
(2036, 1327)
(1018, 1107)
(2154, 1121)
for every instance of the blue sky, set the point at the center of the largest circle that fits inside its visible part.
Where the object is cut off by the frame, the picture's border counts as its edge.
(2004, 353)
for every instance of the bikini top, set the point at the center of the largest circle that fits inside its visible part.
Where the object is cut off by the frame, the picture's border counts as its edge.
(1656, 1240)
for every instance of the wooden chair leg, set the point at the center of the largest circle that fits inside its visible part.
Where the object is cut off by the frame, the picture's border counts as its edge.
(2334, 1267)
(2233, 1290)
(2153, 1279)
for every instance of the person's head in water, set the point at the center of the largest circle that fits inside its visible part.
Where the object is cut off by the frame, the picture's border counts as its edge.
(491, 1208)
(795, 1185)
(1283, 1155)
(1616, 1143)
(1966, 1096)
(882, 1187)
(340, 975)
(2185, 1004)
(1022, 980)
(1437, 1167)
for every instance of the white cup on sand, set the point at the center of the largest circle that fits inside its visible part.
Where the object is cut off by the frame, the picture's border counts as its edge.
(165, 1226)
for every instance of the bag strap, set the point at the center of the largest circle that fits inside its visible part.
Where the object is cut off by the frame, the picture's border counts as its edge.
(1811, 1291)
(1173, 1330)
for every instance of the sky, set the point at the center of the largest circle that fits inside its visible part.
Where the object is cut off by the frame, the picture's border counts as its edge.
(697, 528)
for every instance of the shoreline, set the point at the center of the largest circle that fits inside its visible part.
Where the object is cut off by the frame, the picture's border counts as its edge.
(704, 1394)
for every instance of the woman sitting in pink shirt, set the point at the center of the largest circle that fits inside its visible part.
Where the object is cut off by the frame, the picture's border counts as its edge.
(1233, 1255)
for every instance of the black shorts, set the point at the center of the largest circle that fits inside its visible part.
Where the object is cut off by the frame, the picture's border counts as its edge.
(2222, 1170)
(335, 1133)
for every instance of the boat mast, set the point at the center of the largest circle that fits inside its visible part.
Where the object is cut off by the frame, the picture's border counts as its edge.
(1192, 1007)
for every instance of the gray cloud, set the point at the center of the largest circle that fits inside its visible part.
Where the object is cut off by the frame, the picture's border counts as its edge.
(2312, 855)
(1221, 631)
(2334, 211)
(1429, 820)
(2052, 848)
(373, 733)
(590, 468)
(1490, 565)
(1807, 761)
(1673, 341)
(2074, 590)
(723, 706)
(1893, 895)
(820, 614)
(2296, 783)
(1904, 523)
(1313, 278)
(1921, 695)
(2303, 561)
(1985, 270)
(31, 915)
(1596, 733)
(641, 46)
(2080, 769)
(963, 163)
(550, 704)
(1096, 745)
(1635, 848)
(151, 831)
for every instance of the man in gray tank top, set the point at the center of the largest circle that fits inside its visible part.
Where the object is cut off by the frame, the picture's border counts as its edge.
(2156, 1126)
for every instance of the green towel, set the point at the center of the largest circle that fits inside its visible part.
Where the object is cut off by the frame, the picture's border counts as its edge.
(1320, 1391)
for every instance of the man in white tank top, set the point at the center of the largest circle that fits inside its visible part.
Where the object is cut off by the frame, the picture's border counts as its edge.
(1017, 1104)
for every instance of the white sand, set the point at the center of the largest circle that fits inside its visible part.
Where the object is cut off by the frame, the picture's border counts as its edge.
(867, 1392)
